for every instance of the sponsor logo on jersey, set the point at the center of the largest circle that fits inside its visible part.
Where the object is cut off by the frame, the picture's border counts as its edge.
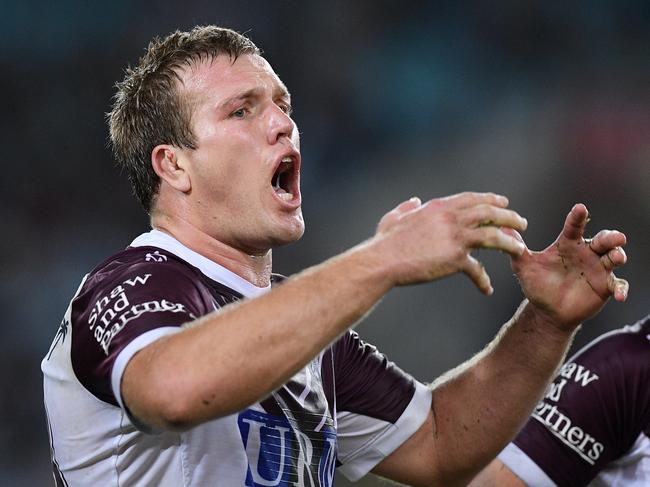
(60, 336)
(561, 425)
(113, 310)
(580, 375)
(155, 256)
(573, 436)
(281, 456)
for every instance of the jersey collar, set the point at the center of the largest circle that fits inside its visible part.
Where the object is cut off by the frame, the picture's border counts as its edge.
(216, 272)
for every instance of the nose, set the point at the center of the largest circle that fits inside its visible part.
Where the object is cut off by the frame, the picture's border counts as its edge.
(280, 124)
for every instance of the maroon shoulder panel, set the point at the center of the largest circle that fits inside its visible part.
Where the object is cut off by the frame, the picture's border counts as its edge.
(131, 293)
(367, 382)
(595, 409)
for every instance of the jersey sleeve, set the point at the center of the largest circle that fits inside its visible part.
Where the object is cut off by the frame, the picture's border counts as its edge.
(120, 312)
(378, 406)
(591, 415)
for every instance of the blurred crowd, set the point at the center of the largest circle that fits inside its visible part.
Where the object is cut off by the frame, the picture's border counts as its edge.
(545, 102)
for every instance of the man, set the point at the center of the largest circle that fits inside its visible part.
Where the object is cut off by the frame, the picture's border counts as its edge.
(162, 374)
(592, 426)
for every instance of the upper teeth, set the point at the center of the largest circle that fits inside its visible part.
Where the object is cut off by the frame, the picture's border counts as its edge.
(287, 159)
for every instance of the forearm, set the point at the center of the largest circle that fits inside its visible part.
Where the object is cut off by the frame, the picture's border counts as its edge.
(496, 474)
(231, 358)
(481, 405)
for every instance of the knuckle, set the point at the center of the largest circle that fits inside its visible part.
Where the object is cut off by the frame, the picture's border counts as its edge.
(449, 218)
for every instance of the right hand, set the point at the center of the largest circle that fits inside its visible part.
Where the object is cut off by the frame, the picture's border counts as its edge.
(424, 242)
(572, 279)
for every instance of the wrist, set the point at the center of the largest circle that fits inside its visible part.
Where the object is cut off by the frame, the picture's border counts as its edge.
(377, 263)
(545, 321)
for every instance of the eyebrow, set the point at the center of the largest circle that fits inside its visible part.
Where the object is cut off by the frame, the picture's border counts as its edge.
(279, 92)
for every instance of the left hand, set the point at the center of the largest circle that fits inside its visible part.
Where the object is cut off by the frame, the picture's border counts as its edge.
(572, 279)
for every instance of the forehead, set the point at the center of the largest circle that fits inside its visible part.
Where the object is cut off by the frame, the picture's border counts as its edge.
(220, 78)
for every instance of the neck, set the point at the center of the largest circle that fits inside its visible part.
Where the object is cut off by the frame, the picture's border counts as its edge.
(255, 268)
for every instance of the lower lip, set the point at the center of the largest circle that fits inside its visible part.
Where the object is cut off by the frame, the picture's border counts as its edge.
(293, 203)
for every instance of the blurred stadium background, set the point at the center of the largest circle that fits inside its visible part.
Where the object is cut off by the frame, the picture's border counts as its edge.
(545, 102)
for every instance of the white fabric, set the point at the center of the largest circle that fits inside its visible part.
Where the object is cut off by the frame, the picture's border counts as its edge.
(631, 470)
(524, 468)
(129, 351)
(363, 441)
(96, 443)
(216, 272)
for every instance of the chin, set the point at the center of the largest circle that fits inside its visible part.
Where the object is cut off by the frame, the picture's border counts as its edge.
(290, 233)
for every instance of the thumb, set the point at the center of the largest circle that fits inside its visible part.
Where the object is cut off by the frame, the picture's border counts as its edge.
(574, 224)
(394, 214)
(408, 205)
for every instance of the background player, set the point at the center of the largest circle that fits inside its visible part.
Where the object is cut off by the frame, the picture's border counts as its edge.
(592, 426)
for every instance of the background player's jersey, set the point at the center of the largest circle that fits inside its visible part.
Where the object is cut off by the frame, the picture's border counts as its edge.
(348, 408)
(592, 426)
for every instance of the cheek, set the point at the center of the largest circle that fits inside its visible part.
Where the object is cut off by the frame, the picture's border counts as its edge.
(229, 167)
(211, 176)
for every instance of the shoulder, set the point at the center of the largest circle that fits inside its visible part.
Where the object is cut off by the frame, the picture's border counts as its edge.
(139, 260)
(626, 349)
(139, 269)
(365, 376)
(611, 371)
(136, 293)
(136, 286)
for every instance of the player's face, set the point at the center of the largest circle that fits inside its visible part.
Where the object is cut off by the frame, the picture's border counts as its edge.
(245, 171)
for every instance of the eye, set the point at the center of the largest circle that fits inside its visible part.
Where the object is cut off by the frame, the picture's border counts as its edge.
(286, 108)
(239, 113)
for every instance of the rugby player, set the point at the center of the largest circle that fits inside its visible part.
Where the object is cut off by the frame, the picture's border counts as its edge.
(182, 360)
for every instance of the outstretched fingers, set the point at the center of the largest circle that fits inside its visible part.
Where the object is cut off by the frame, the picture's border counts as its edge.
(613, 259)
(608, 245)
(574, 224)
(496, 238)
(487, 226)
(468, 199)
(618, 287)
(489, 215)
(607, 240)
(477, 273)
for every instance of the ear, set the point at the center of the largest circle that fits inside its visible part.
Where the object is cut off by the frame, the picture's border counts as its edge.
(170, 168)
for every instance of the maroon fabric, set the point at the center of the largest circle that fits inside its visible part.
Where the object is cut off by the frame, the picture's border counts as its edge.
(127, 295)
(144, 288)
(367, 382)
(598, 404)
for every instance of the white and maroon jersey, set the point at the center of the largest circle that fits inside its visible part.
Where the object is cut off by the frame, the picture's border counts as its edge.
(348, 409)
(592, 426)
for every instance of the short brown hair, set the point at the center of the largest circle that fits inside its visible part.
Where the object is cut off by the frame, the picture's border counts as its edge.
(148, 108)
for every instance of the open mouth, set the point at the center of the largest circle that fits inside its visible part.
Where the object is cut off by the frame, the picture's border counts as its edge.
(284, 179)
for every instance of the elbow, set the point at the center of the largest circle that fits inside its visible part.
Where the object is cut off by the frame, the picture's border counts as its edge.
(176, 416)
(162, 405)
(164, 399)
(158, 414)
(177, 408)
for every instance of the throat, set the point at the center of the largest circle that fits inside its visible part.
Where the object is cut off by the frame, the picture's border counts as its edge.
(252, 265)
